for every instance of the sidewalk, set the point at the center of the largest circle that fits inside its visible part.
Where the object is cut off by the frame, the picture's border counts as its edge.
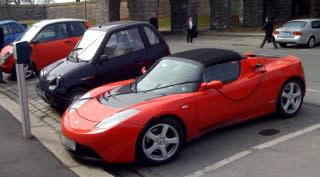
(24, 157)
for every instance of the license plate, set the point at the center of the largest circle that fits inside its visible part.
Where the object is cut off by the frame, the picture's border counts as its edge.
(285, 33)
(68, 143)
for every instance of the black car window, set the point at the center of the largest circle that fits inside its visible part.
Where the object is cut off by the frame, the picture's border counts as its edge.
(123, 42)
(76, 28)
(224, 72)
(17, 28)
(152, 37)
(7, 30)
(315, 24)
(52, 32)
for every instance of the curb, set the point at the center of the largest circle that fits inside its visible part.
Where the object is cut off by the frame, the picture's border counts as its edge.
(49, 137)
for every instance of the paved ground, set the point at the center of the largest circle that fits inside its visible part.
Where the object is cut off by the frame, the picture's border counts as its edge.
(224, 152)
(24, 157)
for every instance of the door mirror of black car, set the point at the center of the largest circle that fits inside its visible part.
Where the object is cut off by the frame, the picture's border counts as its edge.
(103, 57)
(211, 85)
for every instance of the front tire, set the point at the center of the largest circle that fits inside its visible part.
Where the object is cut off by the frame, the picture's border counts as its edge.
(290, 98)
(161, 141)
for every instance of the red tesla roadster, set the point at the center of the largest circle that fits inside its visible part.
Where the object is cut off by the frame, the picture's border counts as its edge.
(178, 99)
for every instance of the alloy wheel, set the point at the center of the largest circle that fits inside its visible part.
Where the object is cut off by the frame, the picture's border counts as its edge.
(291, 98)
(28, 72)
(160, 142)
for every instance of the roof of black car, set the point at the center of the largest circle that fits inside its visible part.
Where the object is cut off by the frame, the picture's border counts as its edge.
(209, 56)
(109, 25)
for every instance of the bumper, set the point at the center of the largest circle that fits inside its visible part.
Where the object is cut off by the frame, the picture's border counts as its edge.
(291, 40)
(50, 97)
(115, 145)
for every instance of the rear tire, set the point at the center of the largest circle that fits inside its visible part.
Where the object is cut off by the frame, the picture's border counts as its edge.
(290, 98)
(283, 44)
(160, 142)
(311, 42)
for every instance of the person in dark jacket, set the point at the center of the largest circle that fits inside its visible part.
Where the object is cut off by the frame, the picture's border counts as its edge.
(191, 30)
(268, 28)
(1, 46)
(154, 20)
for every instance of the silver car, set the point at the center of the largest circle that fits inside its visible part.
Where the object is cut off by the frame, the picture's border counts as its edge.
(302, 31)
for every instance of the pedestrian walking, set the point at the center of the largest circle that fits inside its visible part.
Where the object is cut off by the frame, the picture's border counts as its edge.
(1, 59)
(154, 20)
(268, 28)
(191, 30)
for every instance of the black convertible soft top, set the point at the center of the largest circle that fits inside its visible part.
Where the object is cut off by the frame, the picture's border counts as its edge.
(209, 56)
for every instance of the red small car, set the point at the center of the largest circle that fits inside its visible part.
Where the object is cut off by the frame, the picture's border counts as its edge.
(180, 98)
(50, 40)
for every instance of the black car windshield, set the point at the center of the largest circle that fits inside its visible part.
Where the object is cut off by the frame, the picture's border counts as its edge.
(171, 76)
(87, 46)
(294, 24)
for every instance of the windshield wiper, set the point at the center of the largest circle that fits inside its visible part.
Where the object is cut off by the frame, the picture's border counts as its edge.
(157, 87)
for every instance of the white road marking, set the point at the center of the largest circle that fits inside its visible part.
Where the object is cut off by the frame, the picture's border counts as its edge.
(219, 164)
(242, 154)
(313, 90)
(287, 137)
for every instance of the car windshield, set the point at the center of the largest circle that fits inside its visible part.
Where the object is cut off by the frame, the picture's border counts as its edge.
(87, 46)
(171, 76)
(294, 24)
(30, 33)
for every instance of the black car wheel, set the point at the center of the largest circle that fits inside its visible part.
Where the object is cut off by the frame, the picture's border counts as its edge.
(311, 42)
(160, 141)
(28, 71)
(290, 98)
(75, 94)
(283, 44)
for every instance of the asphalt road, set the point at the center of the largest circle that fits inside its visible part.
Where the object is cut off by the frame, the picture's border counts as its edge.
(213, 153)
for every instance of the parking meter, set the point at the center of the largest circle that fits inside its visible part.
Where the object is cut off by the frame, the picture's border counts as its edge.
(22, 53)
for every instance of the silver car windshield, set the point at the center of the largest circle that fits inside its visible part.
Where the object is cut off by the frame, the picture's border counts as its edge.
(88, 45)
(294, 24)
(171, 75)
(29, 34)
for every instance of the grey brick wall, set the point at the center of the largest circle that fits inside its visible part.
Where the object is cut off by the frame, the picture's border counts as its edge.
(23, 12)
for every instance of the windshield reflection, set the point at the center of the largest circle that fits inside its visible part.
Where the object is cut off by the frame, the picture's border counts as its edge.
(29, 34)
(171, 76)
(88, 45)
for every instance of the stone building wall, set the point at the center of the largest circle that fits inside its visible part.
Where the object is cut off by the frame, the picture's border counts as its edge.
(71, 10)
(23, 12)
(253, 12)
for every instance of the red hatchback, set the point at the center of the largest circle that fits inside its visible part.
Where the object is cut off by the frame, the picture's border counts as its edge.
(50, 40)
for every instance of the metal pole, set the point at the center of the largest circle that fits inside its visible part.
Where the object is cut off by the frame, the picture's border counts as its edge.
(23, 99)
(85, 9)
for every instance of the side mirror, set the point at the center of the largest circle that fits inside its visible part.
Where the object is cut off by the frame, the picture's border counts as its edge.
(211, 85)
(143, 70)
(103, 57)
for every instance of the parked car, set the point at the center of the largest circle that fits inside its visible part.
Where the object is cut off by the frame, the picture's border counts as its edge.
(12, 30)
(302, 31)
(181, 97)
(105, 54)
(51, 40)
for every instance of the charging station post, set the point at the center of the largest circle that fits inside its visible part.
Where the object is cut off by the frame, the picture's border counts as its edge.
(22, 53)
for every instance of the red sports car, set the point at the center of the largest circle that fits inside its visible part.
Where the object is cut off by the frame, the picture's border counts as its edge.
(180, 98)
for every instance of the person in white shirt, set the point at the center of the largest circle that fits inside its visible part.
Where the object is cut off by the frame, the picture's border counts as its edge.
(191, 30)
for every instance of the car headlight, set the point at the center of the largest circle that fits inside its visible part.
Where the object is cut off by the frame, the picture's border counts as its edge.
(117, 118)
(43, 72)
(83, 99)
(56, 82)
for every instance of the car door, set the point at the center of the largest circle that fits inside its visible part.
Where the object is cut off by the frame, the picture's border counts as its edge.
(51, 44)
(157, 47)
(122, 52)
(218, 107)
(8, 34)
(315, 25)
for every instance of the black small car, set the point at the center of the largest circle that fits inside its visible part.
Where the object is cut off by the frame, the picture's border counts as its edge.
(114, 52)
